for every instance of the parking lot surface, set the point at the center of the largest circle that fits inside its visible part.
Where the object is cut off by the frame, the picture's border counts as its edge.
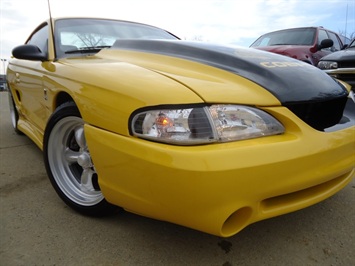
(37, 228)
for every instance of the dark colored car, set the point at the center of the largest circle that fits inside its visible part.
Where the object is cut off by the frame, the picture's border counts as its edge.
(308, 44)
(2, 82)
(341, 65)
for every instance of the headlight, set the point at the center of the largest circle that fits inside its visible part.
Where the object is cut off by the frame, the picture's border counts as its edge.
(327, 65)
(204, 124)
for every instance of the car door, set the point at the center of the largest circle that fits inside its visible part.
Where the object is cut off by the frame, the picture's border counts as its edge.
(28, 84)
(322, 35)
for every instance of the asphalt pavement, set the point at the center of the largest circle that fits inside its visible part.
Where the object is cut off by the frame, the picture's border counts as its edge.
(37, 228)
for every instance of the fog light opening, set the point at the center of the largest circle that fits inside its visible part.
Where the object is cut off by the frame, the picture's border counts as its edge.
(236, 221)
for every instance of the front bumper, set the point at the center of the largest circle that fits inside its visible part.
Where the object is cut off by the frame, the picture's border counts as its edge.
(345, 74)
(222, 188)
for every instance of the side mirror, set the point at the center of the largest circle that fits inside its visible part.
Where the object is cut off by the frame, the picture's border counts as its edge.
(29, 52)
(326, 43)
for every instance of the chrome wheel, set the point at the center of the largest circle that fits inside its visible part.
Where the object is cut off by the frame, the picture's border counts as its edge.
(69, 164)
(13, 113)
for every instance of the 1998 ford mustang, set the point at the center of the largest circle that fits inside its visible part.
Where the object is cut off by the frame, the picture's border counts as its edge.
(206, 136)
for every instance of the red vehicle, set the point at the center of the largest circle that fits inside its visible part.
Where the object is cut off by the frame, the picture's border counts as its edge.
(308, 44)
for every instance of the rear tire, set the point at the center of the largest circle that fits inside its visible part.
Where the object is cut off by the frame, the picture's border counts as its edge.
(69, 165)
(13, 114)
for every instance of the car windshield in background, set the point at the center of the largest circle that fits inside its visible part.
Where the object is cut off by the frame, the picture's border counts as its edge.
(85, 35)
(287, 37)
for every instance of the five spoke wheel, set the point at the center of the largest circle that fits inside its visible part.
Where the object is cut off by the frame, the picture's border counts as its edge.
(69, 164)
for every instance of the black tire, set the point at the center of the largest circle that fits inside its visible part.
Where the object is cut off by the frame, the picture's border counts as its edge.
(14, 114)
(69, 165)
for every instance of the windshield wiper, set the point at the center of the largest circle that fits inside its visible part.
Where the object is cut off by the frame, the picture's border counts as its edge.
(274, 44)
(84, 50)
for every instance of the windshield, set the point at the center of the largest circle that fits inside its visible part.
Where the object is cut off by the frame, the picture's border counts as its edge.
(90, 35)
(352, 44)
(302, 36)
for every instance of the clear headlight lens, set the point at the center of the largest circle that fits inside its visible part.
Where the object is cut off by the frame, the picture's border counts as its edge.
(200, 125)
(327, 65)
(233, 122)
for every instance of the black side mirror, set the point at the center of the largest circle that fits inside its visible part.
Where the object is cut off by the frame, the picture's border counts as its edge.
(326, 43)
(29, 52)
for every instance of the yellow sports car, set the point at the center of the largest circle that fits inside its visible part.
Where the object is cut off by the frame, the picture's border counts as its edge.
(206, 136)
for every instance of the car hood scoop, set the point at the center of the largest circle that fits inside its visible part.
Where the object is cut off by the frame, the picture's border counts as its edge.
(304, 89)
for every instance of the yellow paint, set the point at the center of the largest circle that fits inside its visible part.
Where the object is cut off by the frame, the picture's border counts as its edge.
(217, 188)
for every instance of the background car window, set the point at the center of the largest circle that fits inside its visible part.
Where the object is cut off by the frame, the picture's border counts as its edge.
(336, 46)
(264, 41)
(40, 38)
(322, 35)
(345, 40)
(302, 36)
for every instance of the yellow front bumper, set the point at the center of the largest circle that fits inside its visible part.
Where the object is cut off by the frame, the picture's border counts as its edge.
(221, 188)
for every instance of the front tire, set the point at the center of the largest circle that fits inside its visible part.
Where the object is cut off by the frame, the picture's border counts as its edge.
(69, 165)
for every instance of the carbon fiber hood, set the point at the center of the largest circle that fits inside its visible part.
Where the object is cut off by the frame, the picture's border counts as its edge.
(290, 80)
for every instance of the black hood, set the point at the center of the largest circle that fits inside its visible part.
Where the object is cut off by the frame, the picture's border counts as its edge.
(343, 56)
(288, 79)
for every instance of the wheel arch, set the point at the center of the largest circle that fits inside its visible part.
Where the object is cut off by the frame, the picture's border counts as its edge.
(62, 97)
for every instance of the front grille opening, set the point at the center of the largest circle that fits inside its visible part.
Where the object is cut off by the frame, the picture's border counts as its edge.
(307, 195)
(320, 114)
(346, 64)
